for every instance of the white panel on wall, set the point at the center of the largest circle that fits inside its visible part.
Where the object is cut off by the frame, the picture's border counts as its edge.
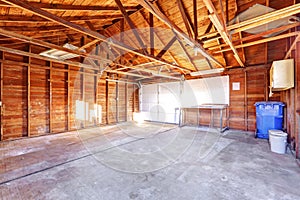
(214, 90)
(159, 101)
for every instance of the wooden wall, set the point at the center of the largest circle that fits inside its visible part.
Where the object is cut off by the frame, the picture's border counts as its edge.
(254, 82)
(292, 99)
(40, 97)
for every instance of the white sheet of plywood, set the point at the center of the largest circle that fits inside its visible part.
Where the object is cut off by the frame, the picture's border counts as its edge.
(159, 101)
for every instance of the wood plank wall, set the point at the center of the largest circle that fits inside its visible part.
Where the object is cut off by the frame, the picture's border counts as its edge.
(292, 99)
(253, 88)
(40, 97)
(297, 101)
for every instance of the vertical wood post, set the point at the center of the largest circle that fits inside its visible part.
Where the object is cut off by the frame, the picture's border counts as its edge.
(151, 23)
(1, 96)
(96, 82)
(83, 98)
(126, 102)
(117, 102)
(133, 99)
(195, 19)
(50, 97)
(245, 103)
(106, 101)
(69, 99)
(28, 93)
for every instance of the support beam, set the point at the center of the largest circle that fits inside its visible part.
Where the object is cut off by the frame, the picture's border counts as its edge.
(63, 7)
(152, 32)
(117, 102)
(90, 25)
(151, 25)
(156, 12)
(252, 37)
(83, 98)
(36, 29)
(221, 27)
(293, 46)
(42, 13)
(122, 29)
(261, 41)
(128, 73)
(132, 26)
(166, 48)
(187, 55)
(195, 12)
(50, 97)
(87, 45)
(69, 98)
(37, 19)
(260, 20)
(245, 102)
(107, 100)
(154, 73)
(50, 45)
(126, 101)
(28, 94)
(1, 96)
(184, 18)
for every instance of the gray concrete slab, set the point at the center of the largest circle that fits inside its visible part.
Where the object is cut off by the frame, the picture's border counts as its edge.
(146, 161)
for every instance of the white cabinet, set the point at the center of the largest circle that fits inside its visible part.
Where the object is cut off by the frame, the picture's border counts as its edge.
(282, 75)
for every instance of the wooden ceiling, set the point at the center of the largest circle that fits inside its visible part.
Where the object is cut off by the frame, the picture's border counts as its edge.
(144, 39)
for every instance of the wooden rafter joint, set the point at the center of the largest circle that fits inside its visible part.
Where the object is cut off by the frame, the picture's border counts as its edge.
(221, 28)
(162, 17)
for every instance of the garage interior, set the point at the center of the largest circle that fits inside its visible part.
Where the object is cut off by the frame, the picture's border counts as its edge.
(147, 99)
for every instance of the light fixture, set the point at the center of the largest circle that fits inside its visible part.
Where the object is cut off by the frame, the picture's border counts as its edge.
(209, 71)
(62, 55)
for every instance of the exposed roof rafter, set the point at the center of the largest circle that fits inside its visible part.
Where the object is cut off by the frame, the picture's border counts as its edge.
(149, 6)
(42, 13)
(221, 27)
(63, 7)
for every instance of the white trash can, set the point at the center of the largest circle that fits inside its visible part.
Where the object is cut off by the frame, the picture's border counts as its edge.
(277, 139)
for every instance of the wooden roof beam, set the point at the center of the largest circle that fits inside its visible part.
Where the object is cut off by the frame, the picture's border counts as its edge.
(132, 26)
(185, 19)
(30, 29)
(278, 37)
(288, 53)
(166, 48)
(42, 13)
(251, 37)
(64, 7)
(195, 19)
(149, 6)
(221, 27)
(260, 20)
(153, 34)
(49, 45)
(187, 55)
(35, 19)
(154, 73)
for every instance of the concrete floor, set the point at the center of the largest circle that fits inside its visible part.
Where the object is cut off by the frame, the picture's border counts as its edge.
(146, 161)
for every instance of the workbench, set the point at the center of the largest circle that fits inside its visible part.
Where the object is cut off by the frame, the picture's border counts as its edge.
(222, 110)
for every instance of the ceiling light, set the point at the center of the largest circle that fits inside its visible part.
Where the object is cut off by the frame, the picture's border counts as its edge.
(209, 71)
(61, 55)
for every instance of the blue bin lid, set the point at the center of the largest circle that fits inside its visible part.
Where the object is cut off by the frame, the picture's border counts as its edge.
(269, 103)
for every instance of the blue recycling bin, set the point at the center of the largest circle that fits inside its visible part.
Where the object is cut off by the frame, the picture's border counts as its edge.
(269, 115)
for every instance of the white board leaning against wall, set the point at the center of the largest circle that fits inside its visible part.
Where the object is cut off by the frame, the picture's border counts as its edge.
(160, 102)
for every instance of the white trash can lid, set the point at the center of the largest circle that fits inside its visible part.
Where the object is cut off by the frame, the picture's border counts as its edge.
(277, 133)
